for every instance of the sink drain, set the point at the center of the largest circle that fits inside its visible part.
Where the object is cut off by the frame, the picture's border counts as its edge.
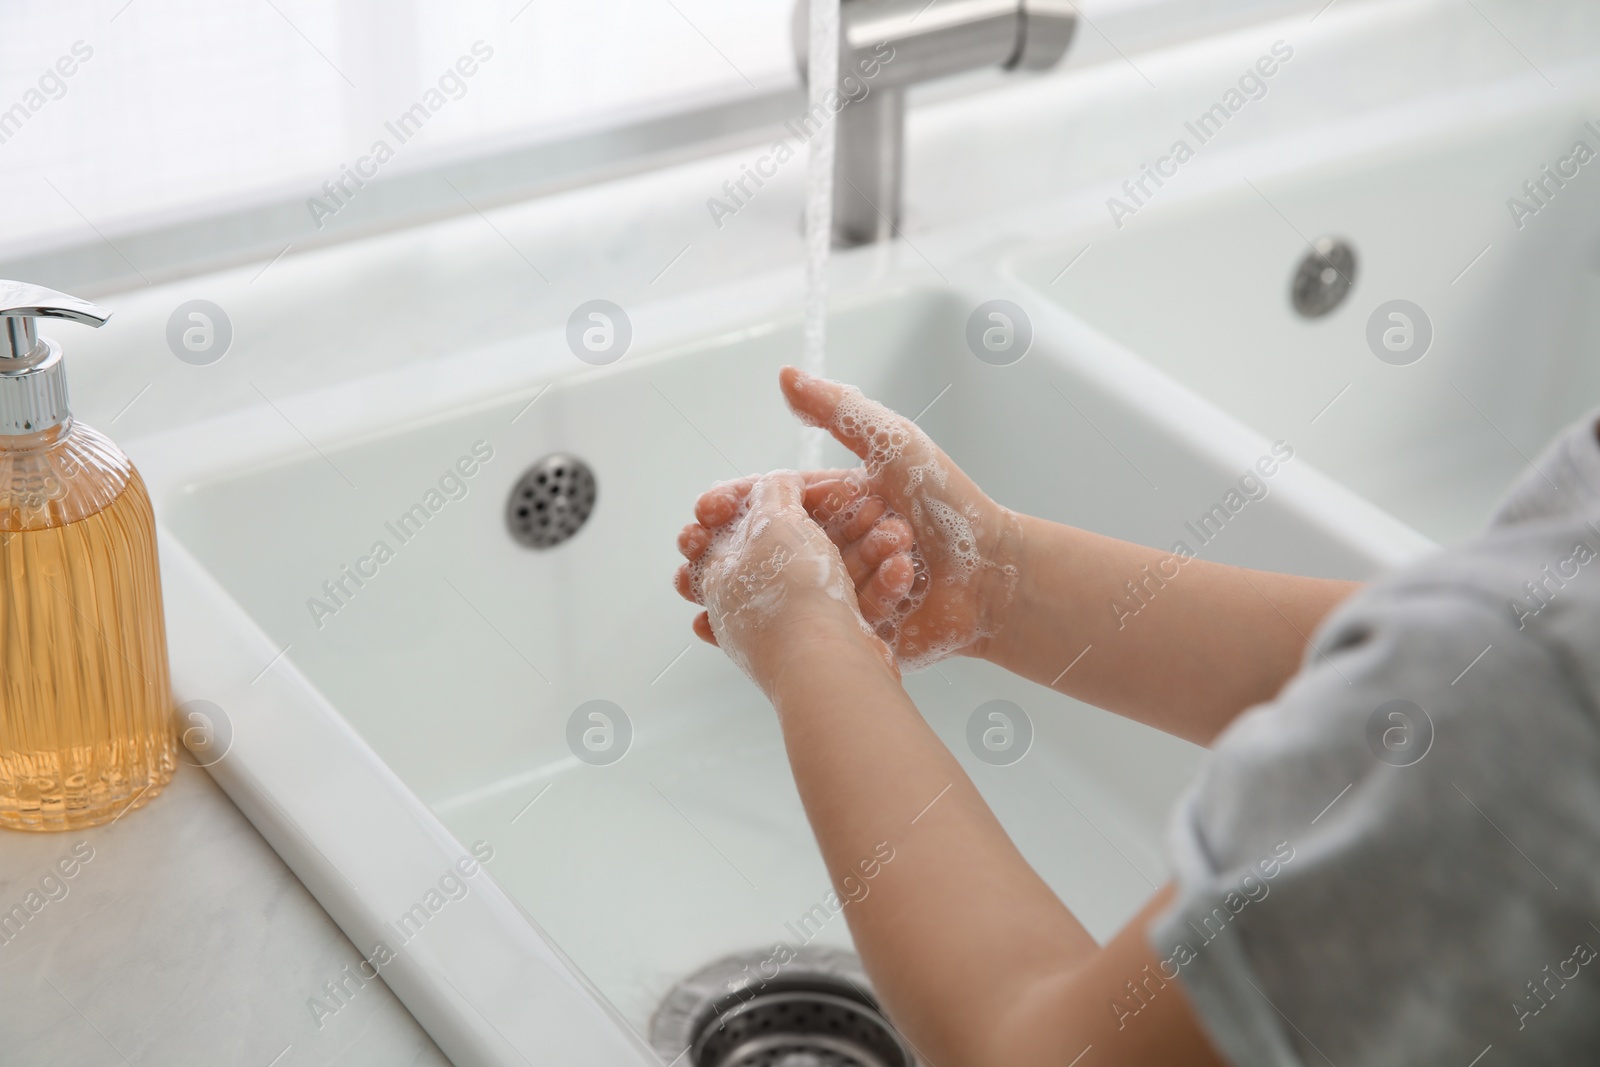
(1324, 277)
(551, 501)
(817, 1012)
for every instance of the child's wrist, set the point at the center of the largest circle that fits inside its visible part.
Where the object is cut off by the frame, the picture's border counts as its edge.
(805, 642)
(999, 581)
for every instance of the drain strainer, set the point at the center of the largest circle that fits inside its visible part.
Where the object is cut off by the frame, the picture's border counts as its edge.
(817, 1011)
(551, 501)
(800, 1028)
(1324, 277)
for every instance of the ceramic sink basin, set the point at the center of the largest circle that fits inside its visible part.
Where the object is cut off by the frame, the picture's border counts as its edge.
(392, 712)
(1197, 281)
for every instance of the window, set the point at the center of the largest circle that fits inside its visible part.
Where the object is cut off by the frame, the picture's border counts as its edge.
(143, 138)
(178, 108)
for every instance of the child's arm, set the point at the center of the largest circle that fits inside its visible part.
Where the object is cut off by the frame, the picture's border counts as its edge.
(976, 959)
(1210, 641)
(1206, 645)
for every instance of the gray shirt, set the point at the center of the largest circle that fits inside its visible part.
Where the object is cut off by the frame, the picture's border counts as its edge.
(1397, 861)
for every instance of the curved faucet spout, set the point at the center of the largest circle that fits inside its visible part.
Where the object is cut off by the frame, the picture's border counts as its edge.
(886, 46)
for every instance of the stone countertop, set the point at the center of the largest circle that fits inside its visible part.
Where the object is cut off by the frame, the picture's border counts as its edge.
(181, 938)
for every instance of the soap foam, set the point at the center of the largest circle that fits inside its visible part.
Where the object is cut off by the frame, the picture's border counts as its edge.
(744, 578)
(946, 535)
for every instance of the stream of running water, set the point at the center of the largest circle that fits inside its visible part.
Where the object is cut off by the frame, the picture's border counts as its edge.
(822, 76)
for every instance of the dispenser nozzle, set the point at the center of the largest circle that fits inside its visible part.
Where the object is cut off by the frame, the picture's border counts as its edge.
(33, 384)
(21, 303)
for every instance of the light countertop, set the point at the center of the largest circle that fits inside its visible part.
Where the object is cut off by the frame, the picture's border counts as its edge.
(181, 938)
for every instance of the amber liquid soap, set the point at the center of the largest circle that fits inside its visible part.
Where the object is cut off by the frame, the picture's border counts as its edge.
(86, 725)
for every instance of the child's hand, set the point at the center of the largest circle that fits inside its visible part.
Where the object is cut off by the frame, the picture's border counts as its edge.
(769, 578)
(951, 590)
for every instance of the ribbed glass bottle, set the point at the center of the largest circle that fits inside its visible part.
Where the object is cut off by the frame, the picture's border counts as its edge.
(86, 725)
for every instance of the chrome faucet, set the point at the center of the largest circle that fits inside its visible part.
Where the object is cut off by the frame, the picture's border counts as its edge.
(885, 46)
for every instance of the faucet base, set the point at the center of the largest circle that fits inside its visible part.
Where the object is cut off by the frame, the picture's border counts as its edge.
(868, 164)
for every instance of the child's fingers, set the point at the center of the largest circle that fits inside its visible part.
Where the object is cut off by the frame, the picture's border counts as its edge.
(825, 501)
(886, 587)
(816, 401)
(827, 498)
(718, 505)
(684, 584)
(777, 491)
(863, 557)
(702, 628)
(844, 511)
(866, 517)
(693, 540)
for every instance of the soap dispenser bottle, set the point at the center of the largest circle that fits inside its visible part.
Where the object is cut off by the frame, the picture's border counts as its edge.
(86, 727)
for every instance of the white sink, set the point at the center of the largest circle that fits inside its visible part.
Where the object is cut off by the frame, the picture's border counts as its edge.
(430, 711)
(1197, 282)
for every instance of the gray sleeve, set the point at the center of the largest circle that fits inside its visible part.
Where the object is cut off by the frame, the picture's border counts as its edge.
(1395, 862)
